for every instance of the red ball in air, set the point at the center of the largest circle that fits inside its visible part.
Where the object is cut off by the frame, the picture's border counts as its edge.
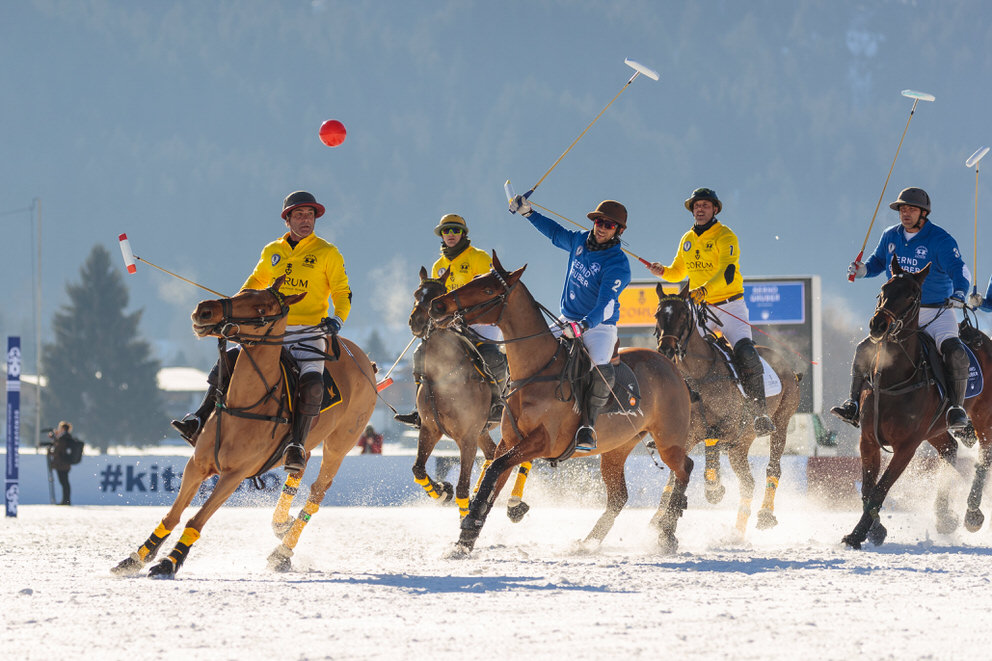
(332, 133)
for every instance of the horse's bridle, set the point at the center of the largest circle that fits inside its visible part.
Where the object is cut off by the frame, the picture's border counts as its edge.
(426, 303)
(458, 316)
(897, 324)
(229, 327)
(683, 334)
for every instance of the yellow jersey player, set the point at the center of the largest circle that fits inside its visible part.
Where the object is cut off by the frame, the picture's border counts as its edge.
(709, 256)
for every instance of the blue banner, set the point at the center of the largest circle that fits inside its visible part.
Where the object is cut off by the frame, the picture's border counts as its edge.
(11, 487)
(776, 302)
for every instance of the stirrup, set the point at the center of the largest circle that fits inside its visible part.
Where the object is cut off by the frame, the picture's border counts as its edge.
(849, 412)
(188, 427)
(956, 418)
(585, 439)
(294, 460)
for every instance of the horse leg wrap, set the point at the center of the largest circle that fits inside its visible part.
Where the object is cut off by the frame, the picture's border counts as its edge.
(289, 490)
(179, 552)
(428, 485)
(482, 474)
(462, 506)
(743, 514)
(148, 550)
(293, 536)
(771, 485)
(518, 486)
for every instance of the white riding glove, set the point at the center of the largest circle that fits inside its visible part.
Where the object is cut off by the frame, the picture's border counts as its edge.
(857, 269)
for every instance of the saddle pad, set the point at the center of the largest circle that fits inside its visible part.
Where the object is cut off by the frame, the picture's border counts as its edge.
(773, 385)
(626, 390)
(332, 396)
(976, 381)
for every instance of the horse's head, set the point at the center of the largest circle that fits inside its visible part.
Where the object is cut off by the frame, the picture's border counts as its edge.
(480, 301)
(674, 322)
(898, 305)
(429, 289)
(255, 308)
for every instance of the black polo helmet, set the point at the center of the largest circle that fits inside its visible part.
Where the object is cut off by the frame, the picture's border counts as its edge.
(914, 197)
(301, 198)
(703, 194)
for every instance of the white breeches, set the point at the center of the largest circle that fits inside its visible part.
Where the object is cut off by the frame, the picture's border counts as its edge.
(306, 359)
(599, 341)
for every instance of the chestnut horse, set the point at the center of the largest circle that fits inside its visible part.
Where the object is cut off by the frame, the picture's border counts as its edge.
(454, 399)
(901, 407)
(721, 417)
(540, 421)
(245, 433)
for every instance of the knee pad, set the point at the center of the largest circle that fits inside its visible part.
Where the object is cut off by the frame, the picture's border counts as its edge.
(954, 354)
(310, 393)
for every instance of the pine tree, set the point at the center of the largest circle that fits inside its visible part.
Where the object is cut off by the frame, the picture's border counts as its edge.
(101, 375)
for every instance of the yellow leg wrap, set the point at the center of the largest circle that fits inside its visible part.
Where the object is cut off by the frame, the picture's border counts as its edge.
(770, 487)
(668, 489)
(518, 486)
(743, 514)
(190, 535)
(462, 506)
(289, 489)
(181, 549)
(482, 474)
(152, 543)
(710, 442)
(710, 474)
(428, 487)
(293, 536)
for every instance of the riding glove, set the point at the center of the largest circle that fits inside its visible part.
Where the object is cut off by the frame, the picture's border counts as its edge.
(698, 295)
(857, 269)
(574, 329)
(331, 324)
(519, 204)
(956, 300)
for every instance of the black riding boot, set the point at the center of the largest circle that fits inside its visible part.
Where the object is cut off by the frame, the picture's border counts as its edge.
(603, 378)
(495, 361)
(956, 363)
(413, 417)
(307, 408)
(753, 379)
(189, 427)
(850, 410)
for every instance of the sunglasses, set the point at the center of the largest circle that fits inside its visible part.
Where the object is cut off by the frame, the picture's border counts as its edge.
(451, 230)
(606, 224)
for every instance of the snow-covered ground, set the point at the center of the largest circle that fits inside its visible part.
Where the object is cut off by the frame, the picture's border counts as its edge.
(372, 583)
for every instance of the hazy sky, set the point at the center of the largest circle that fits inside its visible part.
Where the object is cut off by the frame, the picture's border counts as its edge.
(185, 124)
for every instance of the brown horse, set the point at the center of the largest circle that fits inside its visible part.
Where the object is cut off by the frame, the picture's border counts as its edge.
(901, 407)
(541, 421)
(721, 417)
(244, 436)
(453, 399)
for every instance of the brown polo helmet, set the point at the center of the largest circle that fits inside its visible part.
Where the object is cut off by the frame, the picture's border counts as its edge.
(610, 210)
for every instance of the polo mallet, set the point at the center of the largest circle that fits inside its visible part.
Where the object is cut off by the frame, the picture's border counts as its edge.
(638, 70)
(508, 187)
(917, 97)
(973, 161)
(129, 262)
(386, 381)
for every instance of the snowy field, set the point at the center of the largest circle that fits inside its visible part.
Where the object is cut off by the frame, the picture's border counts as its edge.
(372, 583)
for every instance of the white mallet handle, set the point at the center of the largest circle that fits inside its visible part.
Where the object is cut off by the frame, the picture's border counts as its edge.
(128, 255)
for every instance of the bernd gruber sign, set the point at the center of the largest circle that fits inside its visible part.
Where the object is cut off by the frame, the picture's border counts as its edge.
(784, 311)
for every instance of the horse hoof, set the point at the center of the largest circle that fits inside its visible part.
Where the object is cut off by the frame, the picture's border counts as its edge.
(447, 492)
(715, 495)
(164, 569)
(131, 565)
(852, 541)
(973, 520)
(279, 563)
(766, 520)
(459, 551)
(947, 522)
(516, 512)
(877, 534)
(668, 544)
(280, 528)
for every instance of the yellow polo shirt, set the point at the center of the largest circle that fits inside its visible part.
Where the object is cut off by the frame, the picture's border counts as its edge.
(711, 259)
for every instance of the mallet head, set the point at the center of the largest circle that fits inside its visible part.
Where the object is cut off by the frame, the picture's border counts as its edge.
(640, 68)
(977, 156)
(919, 96)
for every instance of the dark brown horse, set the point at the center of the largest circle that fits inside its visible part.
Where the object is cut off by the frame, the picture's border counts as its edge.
(901, 407)
(721, 417)
(454, 399)
(244, 437)
(541, 421)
